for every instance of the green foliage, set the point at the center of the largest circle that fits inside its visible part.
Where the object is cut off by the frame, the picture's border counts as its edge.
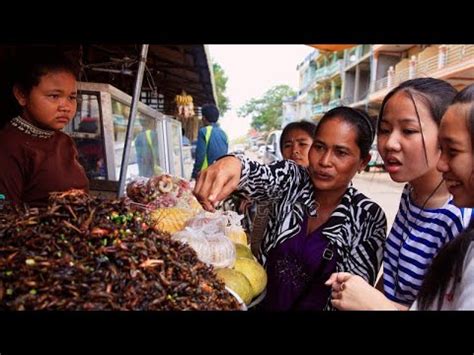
(267, 111)
(220, 79)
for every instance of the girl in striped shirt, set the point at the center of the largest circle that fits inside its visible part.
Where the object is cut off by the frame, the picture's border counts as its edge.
(427, 219)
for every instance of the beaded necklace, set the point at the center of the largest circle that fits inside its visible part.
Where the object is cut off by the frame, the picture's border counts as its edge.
(30, 129)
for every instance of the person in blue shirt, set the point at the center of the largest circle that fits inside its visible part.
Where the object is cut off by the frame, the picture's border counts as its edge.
(212, 142)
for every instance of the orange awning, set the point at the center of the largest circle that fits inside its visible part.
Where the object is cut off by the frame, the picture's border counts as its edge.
(332, 47)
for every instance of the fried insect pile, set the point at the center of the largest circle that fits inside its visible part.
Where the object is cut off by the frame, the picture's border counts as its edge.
(89, 253)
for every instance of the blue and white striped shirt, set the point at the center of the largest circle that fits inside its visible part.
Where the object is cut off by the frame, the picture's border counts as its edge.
(414, 241)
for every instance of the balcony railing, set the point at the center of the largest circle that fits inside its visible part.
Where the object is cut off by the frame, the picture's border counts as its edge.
(365, 49)
(355, 54)
(335, 67)
(352, 55)
(401, 76)
(329, 70)
(318, 108)
(320, 73)
(455, 55)
(381, 84)
(427, 66)
(458, 53)
(333, 103)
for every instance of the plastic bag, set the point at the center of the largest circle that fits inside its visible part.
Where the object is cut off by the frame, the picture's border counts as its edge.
(233, 229)
(227, 222)
(210, 222)
(213, 249)
(163, 191)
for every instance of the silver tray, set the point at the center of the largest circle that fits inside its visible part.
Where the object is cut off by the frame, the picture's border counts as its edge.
(243, 306)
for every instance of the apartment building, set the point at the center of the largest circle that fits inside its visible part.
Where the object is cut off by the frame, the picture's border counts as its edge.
(394, 64)
(361, 76)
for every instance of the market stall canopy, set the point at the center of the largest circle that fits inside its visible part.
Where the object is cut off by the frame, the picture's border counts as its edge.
(332, 47)
(169, 68)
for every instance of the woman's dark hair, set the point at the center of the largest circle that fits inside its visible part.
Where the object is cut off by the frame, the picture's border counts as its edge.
(436, 94)
(449, 262)
(357, 118)
(308, 127)
(25, 69)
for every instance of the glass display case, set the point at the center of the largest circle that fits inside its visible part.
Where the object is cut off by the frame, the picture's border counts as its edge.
(147, 149)
(87, 131)
(174, 138)
(99, 130)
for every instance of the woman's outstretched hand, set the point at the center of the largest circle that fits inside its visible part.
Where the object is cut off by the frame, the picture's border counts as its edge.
(217, 182)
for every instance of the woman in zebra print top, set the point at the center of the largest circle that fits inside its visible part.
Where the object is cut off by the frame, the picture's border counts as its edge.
(322, 223)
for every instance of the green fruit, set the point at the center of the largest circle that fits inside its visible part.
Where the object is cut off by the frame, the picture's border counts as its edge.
(237, 282)
(254, 272)
(243, 251)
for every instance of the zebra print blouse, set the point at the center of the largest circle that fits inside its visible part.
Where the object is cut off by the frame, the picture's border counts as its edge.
(357, 227)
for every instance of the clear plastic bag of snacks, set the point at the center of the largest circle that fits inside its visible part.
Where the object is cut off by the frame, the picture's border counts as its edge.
(211, 248)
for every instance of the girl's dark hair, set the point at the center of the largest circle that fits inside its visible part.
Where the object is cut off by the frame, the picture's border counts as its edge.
(436, 94)
(466, 96)
(447, 265)
(308, 127)
(357, 118)
(25, 69)
(450, 259)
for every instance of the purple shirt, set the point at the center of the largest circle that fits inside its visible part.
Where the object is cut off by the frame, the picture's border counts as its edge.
(296, 273)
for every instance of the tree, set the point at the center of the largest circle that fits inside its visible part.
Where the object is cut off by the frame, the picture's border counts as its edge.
(220, 79)
(267, 111)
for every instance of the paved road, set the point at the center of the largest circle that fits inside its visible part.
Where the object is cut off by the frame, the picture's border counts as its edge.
(379, 187)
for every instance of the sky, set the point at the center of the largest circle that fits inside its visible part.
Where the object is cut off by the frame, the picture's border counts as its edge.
(251, 71)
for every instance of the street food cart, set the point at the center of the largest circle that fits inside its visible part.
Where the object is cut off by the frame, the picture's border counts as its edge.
(99, 130)
(121, 87)
(89, 252)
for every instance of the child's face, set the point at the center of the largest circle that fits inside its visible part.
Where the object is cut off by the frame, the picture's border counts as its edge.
(400, 140)
(296, 145)
(456, 162)
(52, 103)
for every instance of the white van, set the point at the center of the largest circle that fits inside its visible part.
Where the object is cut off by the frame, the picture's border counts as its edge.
(273, 151)
(375, 160)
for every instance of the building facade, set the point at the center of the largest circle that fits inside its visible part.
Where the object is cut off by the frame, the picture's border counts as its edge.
(361, 76)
